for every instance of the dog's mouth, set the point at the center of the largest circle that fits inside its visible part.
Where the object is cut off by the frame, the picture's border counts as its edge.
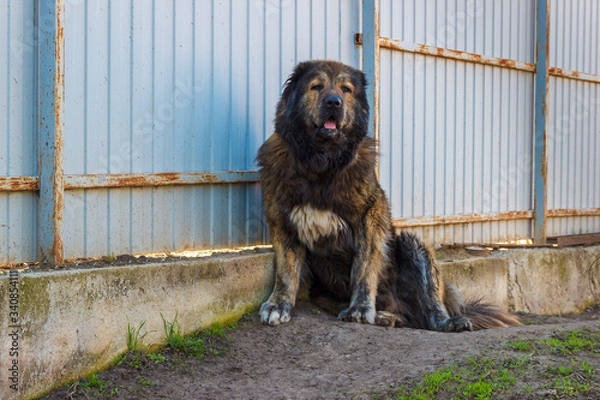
(330, 124)
(331, 128)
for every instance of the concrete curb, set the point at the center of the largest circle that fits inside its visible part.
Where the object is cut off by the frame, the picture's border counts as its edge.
(539, 281)
(74, 322)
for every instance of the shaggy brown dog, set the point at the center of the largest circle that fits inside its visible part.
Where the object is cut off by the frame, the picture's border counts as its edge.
(330, 221)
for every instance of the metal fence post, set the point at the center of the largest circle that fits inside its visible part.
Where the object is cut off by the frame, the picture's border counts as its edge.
(50, 119)
(370, 58)
(541, 115)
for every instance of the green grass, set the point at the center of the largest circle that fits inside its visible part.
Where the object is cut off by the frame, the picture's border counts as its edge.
(136, 359)
(565, 343)
(573, 342)
(564, 371)
(216, 330)
(145, 382)
(478, 390)
(196, 345)
(587, 369)
(94, 382)
(498, 375)
(207, 341)
(188, 345)
(519, 345)
(133, 336)
(570, 387)
(157, 358)
(93, 387)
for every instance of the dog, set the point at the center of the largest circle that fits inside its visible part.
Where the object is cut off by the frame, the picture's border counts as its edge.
(330, 221)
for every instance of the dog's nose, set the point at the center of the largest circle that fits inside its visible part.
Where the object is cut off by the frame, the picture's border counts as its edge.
(333, 101)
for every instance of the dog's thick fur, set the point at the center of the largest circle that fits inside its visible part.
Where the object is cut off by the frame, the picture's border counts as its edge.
(330, 221)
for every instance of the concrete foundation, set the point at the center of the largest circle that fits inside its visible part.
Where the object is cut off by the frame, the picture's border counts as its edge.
(74, 322)
(541, 281)
(71, 323)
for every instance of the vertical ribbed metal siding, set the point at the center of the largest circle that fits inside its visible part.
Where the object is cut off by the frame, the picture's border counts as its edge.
(455, 136)
(18, 140)
(503, 29)
(157, 86)
(575, 35)
(574, 116)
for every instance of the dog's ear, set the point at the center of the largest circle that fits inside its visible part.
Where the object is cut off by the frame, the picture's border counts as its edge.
(289, 88)
(289, 95)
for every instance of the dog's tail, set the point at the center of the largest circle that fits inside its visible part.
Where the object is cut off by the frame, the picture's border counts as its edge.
(433, 304)
(481, 315)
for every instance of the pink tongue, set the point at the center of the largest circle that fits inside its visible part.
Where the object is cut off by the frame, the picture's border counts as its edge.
(330, 125)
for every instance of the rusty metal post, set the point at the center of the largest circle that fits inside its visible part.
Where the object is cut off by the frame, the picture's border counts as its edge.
(50, 120)
(541, 115)
(370, 58)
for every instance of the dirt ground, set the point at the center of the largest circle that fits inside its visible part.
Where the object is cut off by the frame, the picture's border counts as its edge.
(317, 357)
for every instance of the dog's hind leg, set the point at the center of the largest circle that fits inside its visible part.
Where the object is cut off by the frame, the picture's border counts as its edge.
(418, 289)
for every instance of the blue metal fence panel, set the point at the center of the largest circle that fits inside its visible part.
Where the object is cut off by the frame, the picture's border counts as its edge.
(18, 140)
(574, 117)
(575, 35)
(181, 86)
(456, 140)
(573, 149)
(502, 29)
(190, 86)
(456, 136)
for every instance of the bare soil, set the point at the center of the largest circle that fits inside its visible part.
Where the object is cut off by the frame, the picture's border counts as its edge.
(317, 357)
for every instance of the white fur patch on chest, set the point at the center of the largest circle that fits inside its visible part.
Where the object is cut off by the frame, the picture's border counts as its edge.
(313, 224)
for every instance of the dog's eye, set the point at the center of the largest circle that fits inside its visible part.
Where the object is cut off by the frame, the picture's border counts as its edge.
(318, 88)
(346, 89)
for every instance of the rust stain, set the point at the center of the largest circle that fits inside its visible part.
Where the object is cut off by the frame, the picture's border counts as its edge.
(209, 178)
(507, 63)
(455, 55)
(477, 58)
(496, 246)
(160, 179)
(19, 184)
(563, 212)
(558, 72)
(461, 219)
(58, 174)
(133, 180)
(475, 218)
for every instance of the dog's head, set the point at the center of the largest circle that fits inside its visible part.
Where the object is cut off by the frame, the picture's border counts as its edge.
(323, 104)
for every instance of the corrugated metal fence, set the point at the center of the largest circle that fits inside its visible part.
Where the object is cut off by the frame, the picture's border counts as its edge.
(489, 117)
(132, 126)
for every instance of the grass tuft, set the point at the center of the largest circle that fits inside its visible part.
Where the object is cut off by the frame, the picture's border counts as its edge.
(188, 345)
(133, 336)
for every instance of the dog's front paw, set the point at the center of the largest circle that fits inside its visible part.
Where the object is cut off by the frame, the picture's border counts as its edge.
(275, 313)
(362, 313)
(457, 324)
